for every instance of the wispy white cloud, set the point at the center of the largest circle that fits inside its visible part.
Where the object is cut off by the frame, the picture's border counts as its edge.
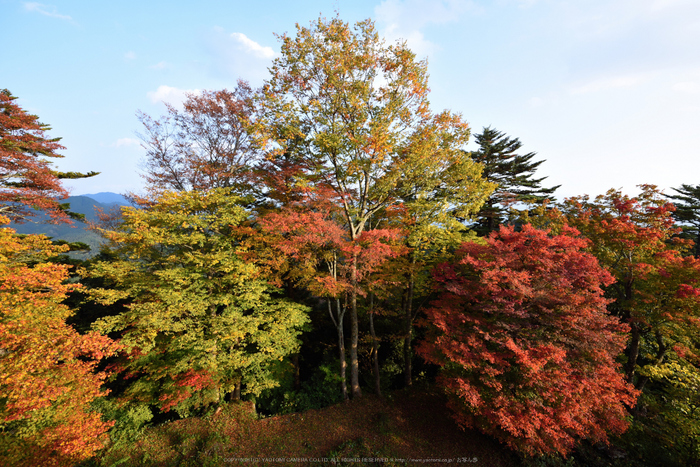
(610, 82)
(687, 83)
(414, 14)
(126, 142)
(130, 55)
(171, 95)
(235, 55)
(46, 10)
(405, 19)
(160, 66)
(252, 47)
(415, 39)
(662, 20)
(536, 102)
(657, 5)
(527, 3)
(689, 87)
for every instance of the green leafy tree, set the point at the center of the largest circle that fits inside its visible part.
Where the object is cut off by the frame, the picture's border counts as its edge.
(200, 321)
(687, 213)
(512, 172)
(431, 234)
(672, 414)
(357, 113)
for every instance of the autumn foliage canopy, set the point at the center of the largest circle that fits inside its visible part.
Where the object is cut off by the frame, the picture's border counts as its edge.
(47, 369)
(656, 287)
(527, 347)
(335, 191)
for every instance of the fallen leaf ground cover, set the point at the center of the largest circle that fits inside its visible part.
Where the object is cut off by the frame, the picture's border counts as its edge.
(407, 428)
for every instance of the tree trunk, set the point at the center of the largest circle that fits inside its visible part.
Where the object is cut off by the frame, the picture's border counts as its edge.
(341, 344)
(408, 330)
(633, 347)
(375, 348)
(297, 375)
(289, 293)
(490, 222)
(354, 332)
(632, 353)
(212, 316)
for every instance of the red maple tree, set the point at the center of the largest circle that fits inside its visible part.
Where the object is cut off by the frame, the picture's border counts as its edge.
(318, 254)
(527, 348)
(656, 288)
(27, 181)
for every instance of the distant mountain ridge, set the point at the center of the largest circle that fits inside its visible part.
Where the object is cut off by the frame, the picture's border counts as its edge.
(78, 232)
(107, 197)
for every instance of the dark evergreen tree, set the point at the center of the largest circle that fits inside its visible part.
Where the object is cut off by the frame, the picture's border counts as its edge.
(687, 213)
(514, 174)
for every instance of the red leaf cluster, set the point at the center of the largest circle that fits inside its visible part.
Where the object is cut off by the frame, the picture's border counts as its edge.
(26, 177)
(322, 250)
(185, 385)
(656, 288)
(526, 345)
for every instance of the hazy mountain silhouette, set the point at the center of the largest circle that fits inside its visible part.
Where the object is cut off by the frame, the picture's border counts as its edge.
(78, 232)
(106, 197)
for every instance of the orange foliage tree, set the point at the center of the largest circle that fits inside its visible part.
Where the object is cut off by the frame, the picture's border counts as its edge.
(526, 345)
(47, 377)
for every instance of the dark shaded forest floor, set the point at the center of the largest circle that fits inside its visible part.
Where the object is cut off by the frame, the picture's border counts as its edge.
(408, 428)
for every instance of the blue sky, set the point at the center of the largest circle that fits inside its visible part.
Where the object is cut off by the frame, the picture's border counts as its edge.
(607, 91)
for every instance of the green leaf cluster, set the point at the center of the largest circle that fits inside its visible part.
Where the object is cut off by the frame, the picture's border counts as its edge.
(199, 321)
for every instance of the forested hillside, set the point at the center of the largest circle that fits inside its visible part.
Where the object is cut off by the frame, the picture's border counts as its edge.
(79, 231)
(327, 236)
